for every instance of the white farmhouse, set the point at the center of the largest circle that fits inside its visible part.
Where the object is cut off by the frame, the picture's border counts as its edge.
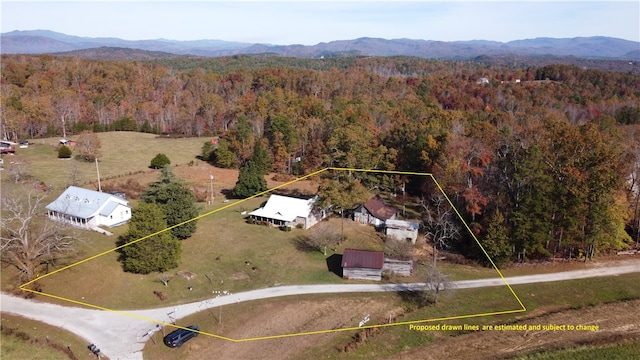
(89, 209)
(289, 211)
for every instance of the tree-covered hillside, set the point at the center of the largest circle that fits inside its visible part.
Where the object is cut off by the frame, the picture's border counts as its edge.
(548, 157)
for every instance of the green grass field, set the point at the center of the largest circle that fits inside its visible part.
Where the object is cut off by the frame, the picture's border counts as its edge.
(225, 253)
(122, 153)
(27, 339)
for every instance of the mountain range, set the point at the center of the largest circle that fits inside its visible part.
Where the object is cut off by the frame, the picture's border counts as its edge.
(597, 47)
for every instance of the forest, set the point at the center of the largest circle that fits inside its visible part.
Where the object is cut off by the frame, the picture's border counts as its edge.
(542, 162)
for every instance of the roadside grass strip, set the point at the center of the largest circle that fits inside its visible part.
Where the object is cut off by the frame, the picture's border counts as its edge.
(522, 308)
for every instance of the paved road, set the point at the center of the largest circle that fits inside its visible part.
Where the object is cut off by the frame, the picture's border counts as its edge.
(122, 335)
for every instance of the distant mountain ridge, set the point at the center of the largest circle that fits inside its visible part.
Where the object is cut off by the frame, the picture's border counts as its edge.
(599, 47)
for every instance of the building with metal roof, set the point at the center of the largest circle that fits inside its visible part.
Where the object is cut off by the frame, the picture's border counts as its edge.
(375, 212)
(362, 264)
(289, 211)
(89, 209)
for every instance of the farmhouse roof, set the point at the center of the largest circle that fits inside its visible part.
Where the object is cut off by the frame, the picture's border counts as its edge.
(352, 258)
(285, 208)
(84, 203)
(401, 224)
(378, 208)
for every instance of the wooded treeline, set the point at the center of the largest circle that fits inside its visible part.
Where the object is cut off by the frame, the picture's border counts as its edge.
(542, 161)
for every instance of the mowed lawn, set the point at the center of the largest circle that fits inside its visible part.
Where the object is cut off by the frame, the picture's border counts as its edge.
(225, 253)
(123, 153)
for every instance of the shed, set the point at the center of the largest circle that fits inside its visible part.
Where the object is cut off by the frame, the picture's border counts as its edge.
(401, 230)
(399, 267)
(375, 212)
(362, 264)
(89, 208)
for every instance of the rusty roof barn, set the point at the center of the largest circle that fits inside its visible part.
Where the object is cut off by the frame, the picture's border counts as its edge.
(362, 264)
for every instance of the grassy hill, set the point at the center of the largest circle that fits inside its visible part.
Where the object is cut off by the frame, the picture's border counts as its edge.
(123, 153)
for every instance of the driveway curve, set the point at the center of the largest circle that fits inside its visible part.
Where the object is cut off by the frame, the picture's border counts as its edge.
(123, 334)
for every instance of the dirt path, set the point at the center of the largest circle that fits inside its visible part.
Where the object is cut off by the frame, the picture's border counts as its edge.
(613, 322)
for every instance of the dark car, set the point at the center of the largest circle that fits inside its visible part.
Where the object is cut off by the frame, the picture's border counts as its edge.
(180, 336)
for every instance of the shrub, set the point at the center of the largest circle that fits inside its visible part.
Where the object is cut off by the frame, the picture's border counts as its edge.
(159, 161)
(64, 152)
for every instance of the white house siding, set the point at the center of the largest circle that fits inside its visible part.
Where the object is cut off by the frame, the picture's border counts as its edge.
(402, 234)
(119, 215)
(401, 230)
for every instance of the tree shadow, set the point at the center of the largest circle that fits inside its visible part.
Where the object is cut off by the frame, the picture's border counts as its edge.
(334, 264)
(301, 243)
(412, 295)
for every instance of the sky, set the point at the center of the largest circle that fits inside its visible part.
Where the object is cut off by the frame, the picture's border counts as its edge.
(304, 22)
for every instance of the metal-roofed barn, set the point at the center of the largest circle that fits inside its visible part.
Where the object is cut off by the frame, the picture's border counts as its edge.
(375, 212)
(362, 264)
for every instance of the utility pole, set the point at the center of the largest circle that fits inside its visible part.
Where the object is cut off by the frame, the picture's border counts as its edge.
(98, 171)
(211, 186)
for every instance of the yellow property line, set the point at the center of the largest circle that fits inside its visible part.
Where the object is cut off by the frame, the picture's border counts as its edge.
(522, 309)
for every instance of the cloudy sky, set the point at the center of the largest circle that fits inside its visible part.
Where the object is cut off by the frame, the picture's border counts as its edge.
(311, 22)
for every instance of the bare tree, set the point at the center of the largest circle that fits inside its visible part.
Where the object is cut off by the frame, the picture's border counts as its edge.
(75, 173)
(398, 249)
(321, 236)
(440, 224)
(66, 107)
(18, 171)
(88, 146)
(29, 240)
(435, 283)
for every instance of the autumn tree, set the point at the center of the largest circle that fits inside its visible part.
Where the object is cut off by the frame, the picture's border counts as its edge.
(283, 140)
(88, 146)
(341, 195)
(30, 242)
(158, 251)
